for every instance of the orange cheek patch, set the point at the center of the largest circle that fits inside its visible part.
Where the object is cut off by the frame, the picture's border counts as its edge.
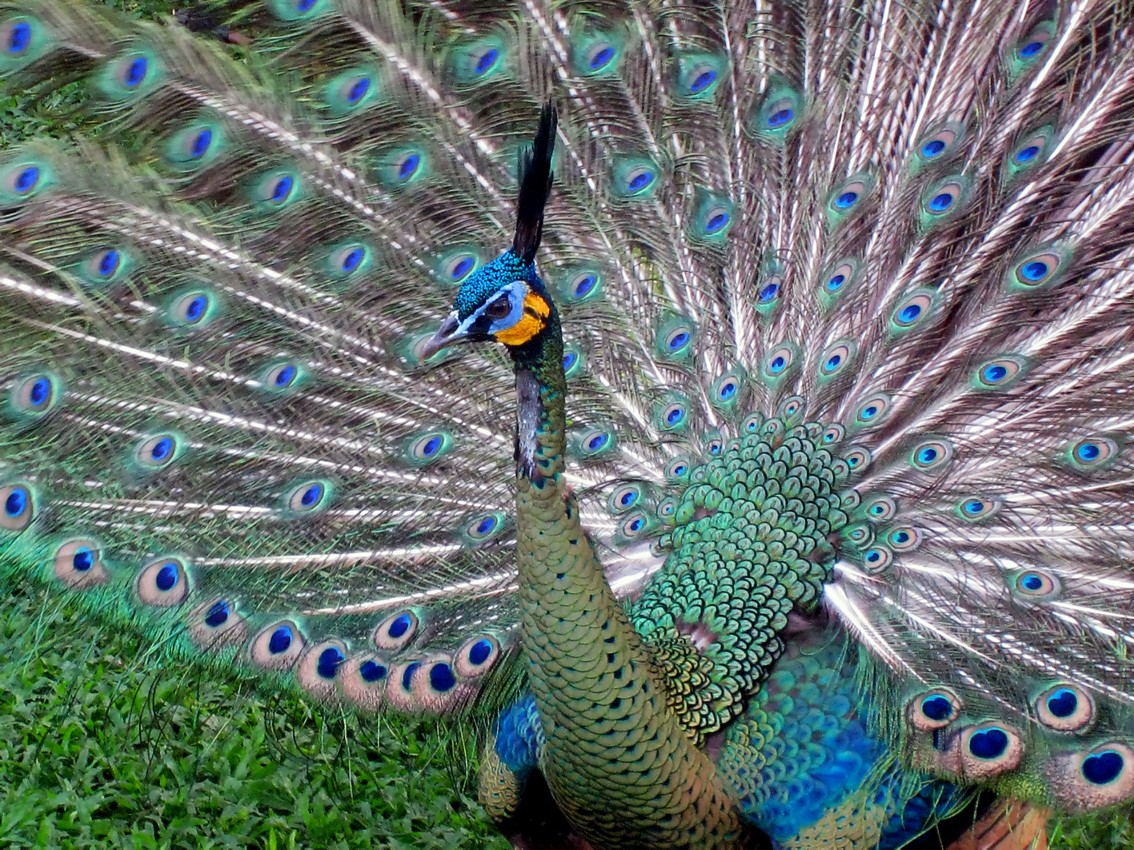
(532, 321)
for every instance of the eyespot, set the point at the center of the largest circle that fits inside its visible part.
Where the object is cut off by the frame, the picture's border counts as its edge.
(163, 582)
(727, 390)
(1037, 585)
(876, 559)
(849, 196)
(24, 179)
(1104, 767)
(283, 376)
(678, 469)
(396, 631)
(1092, 453)
(195, 146)
(699, 75)
(455, 267)
(634, 525)
(1065, 708)
(276, 189)
(403, 166)
(859, 535)
(484, 527)
(595, 442)
(881, 508)
(351, 90)
(35, 395)
(598, 55)
(78, 564)
(675, 339)
(103, 266)
(904, 539)
(752, 423)
(872, 411)
(999, 373)
(778, 112)
(583, 285)
(995, 745)
(1035, 43)
(712, 219)
(158, 451)
(295, 10)
(348, 259)
(939, 145)
(850, 500)
(573, 362)
(933, 709)
(20, 36)
(672, 416)
(634, 177)
(428, 447)
(779, 362)
(714, 446)
(667, 509)
(943, 199)
(838, 280)
(1029, 152)
(768, 296)
(478, 61)
(193, 309)
(309, 497)
(931, 455)
(833, 434)
(773, 427)
(477, 656)
(835, 359)
(18, 507)
(857, 459)
(790, 407)
(977, 507)
(129, 75)
(624, 498)
(1040, 268)
(912, 310)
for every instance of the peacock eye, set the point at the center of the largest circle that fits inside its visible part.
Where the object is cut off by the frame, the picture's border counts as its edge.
(499, 309)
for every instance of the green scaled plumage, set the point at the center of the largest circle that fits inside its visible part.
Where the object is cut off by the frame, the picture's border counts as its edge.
(814, 520)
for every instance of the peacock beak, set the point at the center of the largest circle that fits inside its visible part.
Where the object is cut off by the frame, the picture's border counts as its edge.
(450, 332)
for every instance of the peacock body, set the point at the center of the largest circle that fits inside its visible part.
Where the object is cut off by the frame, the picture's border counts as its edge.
(814, 518)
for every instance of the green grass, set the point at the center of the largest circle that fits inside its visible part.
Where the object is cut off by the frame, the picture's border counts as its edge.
(97, 751)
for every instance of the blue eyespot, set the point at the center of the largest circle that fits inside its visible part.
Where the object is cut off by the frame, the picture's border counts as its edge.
(835, 282)
(442, 678)
(601, 58)
(941, 202)
(778, 364)
(1063, 703)
(702, 81)
(1104, 767)
(17, 501)
(408, 673)
(400, 625)
(480, 652)
(769, 292)
(27, 179)
(136, 72)
(994, 374)
(727, 390)
(311, 495)
(218, 614)
(162, 449)
(372, 671)
(432, 445)
(408, 167)
(352, 259)
(569, 360)
(973, 507)
(358, 90)
(486, 61)
(19, 37)
(196, 308)
(1032, 49)
(285, 376)
(1027, 154)
(932, 148)
(461, 268)
(168, 575)
(584, 285)
(280, 641)
(640, 180)
(989, 743)
(846, 200)
(201, 143)
(937, 707)
(909, 313)
(675, 415)
(596, 442)
(281, 189)
(329, 660)
(1035, 270)
(717, 222)
(780, 117)
(927, 455)
(486, 525)
(833, 361)
(678, 340)
(1087, 452)
(107, 262)
(1032, 583)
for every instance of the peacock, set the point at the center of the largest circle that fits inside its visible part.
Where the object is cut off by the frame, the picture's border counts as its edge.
(718, 407)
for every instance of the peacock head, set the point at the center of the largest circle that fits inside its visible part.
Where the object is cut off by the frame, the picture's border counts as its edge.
(506, 301)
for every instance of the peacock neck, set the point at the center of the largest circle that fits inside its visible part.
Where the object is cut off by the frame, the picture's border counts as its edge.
(617, 762)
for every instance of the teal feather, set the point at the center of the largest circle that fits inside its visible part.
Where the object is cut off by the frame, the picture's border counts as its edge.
(852, 281)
